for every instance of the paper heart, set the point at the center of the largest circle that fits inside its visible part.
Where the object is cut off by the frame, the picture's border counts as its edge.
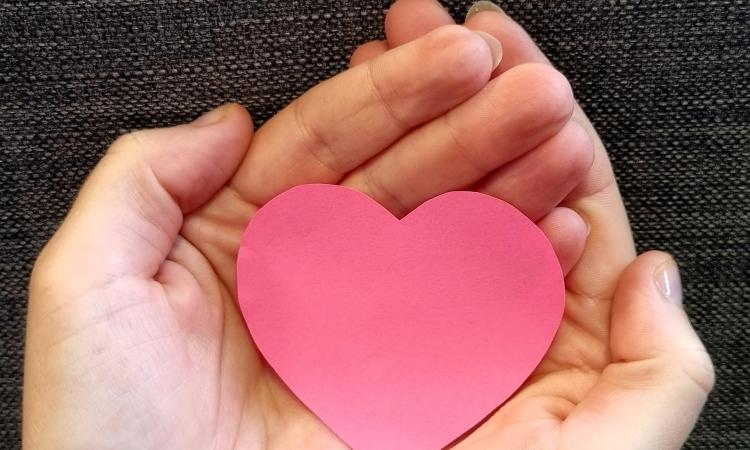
(398, 334)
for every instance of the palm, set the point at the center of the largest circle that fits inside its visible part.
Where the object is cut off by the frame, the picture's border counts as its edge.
(249, 396)
(571, 367)
(244, 398)
(259, 403)
(174, 343)
(134, 334)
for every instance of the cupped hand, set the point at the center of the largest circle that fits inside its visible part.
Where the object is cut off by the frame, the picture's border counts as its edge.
(134, 336)
(626, 369)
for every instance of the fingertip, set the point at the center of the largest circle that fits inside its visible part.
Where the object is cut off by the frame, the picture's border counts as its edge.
(520, 48)
(566, 231)
(239, 116)
(548, 100)
(496, 49)
(407, 20)
(640, 279)
(232, 116)
(193, 160)
(579, 158)
(227, 138)
(367, 51)
(465, 56)
(648, 320)
(554, 87)
(483, 6)
(210, 117)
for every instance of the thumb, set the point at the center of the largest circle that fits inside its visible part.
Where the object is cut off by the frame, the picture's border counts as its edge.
(652, 393)
(128, 213)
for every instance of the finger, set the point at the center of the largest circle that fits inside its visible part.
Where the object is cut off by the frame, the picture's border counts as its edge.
(566, 232)
(367, 51)
(539, 180)
(490, 18)
(597, 198)
(483, 16)
(512, 115)
(345, 121)
(661, 375)
(130, 209)
(410, 19)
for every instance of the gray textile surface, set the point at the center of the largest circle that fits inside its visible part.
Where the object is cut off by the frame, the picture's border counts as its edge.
(666, 83)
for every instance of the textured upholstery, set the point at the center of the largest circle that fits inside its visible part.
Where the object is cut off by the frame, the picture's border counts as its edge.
(665, 82)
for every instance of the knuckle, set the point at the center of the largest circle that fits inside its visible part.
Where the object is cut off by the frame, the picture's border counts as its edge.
(48, 277)
(37, 279)
(689, 368)
(699, 369)
(383, 195)
(316, 142)
(385, 95)
(129, 142)
(480, 162)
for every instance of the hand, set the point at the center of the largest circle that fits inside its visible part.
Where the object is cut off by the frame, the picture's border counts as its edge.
(626, 369)
(134, 336)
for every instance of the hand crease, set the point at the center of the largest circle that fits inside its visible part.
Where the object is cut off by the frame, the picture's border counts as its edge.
(314, 143)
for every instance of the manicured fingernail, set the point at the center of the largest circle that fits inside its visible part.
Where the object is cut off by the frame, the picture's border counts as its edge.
(482, 6)
(210, 118)
(495, 48)
(667, 278)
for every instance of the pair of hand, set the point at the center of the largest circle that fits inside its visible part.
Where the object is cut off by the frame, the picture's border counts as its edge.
(135, 339)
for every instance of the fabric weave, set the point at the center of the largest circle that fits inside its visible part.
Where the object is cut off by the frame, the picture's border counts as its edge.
(665, 82)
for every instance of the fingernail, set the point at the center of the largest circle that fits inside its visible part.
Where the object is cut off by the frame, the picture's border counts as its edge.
(210, 118)
(482, 6)
(495, 48)
(667, 278)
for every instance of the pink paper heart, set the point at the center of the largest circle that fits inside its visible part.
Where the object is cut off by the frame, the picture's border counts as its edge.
(398, 334)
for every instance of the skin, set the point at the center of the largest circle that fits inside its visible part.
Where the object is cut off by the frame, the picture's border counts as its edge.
(134, 337)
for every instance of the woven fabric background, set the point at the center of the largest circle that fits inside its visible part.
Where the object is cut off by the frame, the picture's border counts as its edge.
(666, 83)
